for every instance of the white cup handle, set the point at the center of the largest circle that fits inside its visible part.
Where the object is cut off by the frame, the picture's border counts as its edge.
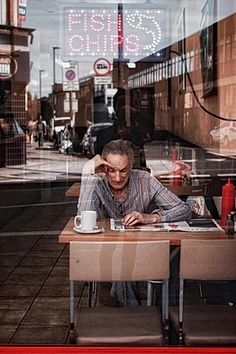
(75, 220)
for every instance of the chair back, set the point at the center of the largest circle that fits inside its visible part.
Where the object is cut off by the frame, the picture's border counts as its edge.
(119, 261)
(208, 259)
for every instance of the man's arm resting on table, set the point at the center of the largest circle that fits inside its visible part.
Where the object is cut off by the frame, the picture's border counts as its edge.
(137, 217)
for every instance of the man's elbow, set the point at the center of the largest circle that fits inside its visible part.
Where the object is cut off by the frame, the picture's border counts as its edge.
(188, 212)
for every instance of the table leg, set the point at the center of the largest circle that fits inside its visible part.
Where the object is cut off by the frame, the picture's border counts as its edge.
(92, 293)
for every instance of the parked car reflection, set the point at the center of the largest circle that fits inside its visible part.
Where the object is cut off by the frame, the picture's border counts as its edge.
(90, 137)
(224, 134)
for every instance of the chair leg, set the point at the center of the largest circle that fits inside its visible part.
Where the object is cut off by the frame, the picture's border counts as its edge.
(72, 301)
(149, 293)
(72, 308)
(181, 311)
(165, 310)
(200, 290)
(72, 339)
(92, 293)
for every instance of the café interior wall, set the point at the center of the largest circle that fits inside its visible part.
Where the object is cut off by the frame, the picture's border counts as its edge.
(226, 70)
(178, 111)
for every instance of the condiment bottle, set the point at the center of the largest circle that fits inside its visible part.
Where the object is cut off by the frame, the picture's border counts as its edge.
(228, 201)
(229, 227)
(233, 216)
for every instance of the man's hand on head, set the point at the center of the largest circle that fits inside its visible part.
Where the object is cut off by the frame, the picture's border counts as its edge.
(100, 165)
(136, 217)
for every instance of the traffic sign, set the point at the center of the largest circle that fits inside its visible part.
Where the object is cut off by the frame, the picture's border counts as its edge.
(102, 66)
(70, 78)
(66, 106)
(102, 80)
(70, 74)
(22, 10)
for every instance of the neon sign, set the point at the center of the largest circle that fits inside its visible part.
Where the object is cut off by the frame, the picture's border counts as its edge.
(97, 32)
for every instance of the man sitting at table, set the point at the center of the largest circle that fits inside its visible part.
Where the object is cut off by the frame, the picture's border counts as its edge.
(114, 190)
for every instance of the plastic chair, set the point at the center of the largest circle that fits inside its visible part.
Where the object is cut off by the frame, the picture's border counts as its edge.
(119, 261)
(203, 324)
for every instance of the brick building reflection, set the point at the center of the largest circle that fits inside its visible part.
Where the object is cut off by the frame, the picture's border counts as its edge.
(14, 79)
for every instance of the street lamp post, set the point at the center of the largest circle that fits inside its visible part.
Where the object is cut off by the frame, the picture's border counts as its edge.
(54, 63)
(40, 91)
(39, 124)
(54, 48)
(40, 83)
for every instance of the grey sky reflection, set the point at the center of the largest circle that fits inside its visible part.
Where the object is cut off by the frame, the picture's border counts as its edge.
(47, 19)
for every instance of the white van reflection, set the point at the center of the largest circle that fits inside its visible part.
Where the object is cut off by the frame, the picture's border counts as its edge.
(224, 134)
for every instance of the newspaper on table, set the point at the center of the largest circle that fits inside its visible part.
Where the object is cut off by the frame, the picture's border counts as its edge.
(190, 225)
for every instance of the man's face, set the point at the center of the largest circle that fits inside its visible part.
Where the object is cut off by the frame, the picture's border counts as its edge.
(118, 175)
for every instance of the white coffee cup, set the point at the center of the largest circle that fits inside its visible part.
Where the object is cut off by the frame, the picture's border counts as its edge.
(87, 220)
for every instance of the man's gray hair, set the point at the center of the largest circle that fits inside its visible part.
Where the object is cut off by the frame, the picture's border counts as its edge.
(119, 147)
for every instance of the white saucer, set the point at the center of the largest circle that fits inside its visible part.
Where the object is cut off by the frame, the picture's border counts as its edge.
(94, 231)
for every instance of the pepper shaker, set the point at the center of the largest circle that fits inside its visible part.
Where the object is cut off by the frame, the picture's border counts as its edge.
(233, 216)
(229, 227)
